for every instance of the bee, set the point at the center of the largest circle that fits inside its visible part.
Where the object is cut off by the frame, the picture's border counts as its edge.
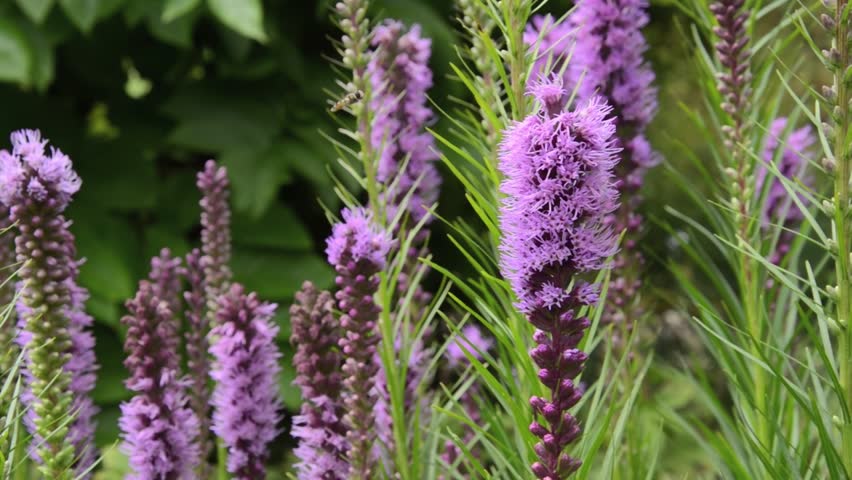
(349, 99)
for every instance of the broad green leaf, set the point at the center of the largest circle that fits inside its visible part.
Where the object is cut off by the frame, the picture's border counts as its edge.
(110, 385)
(83, 13)
(16, 56)
(279, 227)
(110, 247)
(107, 428)
(256, 172)
(37, 10)
(113, 464)
(177, 32)
(42, 68)
(243, 16)
(174, 9)
(278, 276)
(105, 311)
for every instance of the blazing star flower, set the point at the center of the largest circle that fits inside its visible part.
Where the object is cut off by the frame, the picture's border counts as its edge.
(215, 232)
(319, 428)
(792, 162)
(608, 61)
(357, 248)
(559, 188)
(246, 402)
(198, 365)
(400, 76)
(158, 426)
(36, 188)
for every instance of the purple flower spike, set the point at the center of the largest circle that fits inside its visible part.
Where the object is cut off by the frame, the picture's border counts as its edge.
(559, 188)
(400, 76)
(319, 428)
(158, 427)
(608, 61)
(358, 249)
(791, 162)
(54, 329)
(165, 276)
(246, 402)
(8, 348)
(198, 364)
(215, 232)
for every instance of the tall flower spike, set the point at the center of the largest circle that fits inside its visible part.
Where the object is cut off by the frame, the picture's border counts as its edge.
(608, 61)
(215, 232)
(197, 362)
(165, 277)
(36, 188)
(158, 427)
(400, 76)
(245, 399)
(357, 248)
(8, 348)
(319, 427)
(559, 188)
(791, 162)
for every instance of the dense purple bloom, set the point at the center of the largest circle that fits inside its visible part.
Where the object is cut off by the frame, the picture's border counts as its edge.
(197, 362)
(158, 426)
(400, 76)
(36, 188)
(559, 190)
(791, 162)
(357, 249)
(246, 401)
(319, 428)
(553, 44)
(215, 232)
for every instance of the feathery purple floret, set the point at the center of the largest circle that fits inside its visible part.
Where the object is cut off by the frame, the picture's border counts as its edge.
(158, 427)
(198, 365)
(215, 232)
(559, 188)
(60, 367)
(319, 427)
(246, 401)
(400, 76)
(357, 249)
(791, 162)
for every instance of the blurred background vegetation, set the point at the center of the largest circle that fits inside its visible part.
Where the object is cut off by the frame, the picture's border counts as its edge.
(140, 92)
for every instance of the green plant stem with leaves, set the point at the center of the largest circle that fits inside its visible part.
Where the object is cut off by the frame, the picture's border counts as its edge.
(842, 231)
(515, 14)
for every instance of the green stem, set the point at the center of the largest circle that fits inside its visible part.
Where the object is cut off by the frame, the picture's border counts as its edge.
(842, 230)
(517, 15)
(221, 460)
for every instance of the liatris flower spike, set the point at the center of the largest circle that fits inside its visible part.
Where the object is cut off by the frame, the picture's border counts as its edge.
(215, 232)
(319, 428)
(400, 76)
(559, 188)
(158, 426)
(36, 188)
(246, 402)
(357, 249)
